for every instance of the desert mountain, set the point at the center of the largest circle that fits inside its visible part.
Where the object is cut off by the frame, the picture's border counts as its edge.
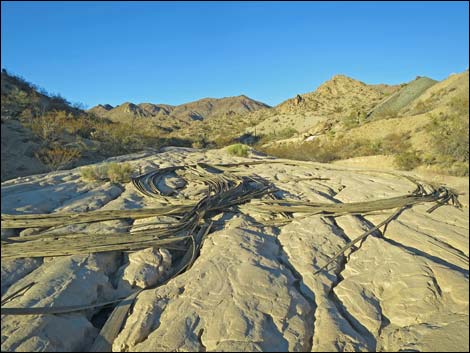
(205, 108)
(340, 96)
(423, 122)
(340, 99)
(347, 117)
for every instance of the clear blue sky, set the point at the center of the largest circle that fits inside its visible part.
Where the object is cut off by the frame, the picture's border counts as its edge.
(112, 52)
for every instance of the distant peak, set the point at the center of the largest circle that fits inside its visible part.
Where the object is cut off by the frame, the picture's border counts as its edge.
(341, 77)
(106, 106)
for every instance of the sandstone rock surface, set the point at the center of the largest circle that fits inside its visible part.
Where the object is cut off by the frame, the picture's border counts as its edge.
(252, 287)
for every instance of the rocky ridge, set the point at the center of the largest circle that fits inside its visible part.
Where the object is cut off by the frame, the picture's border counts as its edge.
(205, 108)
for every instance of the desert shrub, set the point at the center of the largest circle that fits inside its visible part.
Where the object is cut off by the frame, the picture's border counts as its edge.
(79, 125)
(306, 151)
(421, 108)
(199, 143)
(338, 109)
(119, 172)
(57, 157)
(351, 121)
(287, 133)
(348, 148)
(95, 173)
(384, 113)
(459, 105)
(458, 169)
(121, 138)
(450, 137)
(223, 140)
(395, 143)
(48, 127)
(407, 160)
(279, 135)
(326, 150)
(114, 172)
(238, 149)
(52, 125)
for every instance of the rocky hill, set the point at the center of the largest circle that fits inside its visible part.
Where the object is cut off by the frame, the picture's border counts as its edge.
(42, 131)
(345, 119)
(22, 97)
(336, 98)
(340, 94)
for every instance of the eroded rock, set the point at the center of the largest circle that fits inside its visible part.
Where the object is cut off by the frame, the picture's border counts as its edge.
(146, 267)
(252, 287)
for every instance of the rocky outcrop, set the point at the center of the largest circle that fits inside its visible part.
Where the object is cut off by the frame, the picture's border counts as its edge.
(252, 287)
(146, 267)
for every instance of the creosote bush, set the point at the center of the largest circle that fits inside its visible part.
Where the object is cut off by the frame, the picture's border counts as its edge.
(96, 173)
(114, 172)
(119, 172)
(238, 149)
(407, 160)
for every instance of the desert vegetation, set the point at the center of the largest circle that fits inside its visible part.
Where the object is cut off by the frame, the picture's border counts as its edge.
(238, 149)
(113, 172)
(58, 123)
(450, 138)
(339, 147)
(57, 157)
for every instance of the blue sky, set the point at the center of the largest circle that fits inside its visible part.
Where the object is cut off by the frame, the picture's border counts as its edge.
(175, 52)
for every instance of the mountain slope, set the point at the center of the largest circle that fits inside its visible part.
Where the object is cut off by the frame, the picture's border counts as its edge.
(340, 94)
(19, 96)
(401, 99)
(40, 131)
(424, 124)
(337, 98)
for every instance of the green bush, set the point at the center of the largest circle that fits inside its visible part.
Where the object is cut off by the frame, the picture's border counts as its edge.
(96, 173)
(458, 169)
(351, 121)
(238, 149)
(450, 137)
(407, 160)
(119, 172)
(114, 172)
(326, 150)
(395, 143)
